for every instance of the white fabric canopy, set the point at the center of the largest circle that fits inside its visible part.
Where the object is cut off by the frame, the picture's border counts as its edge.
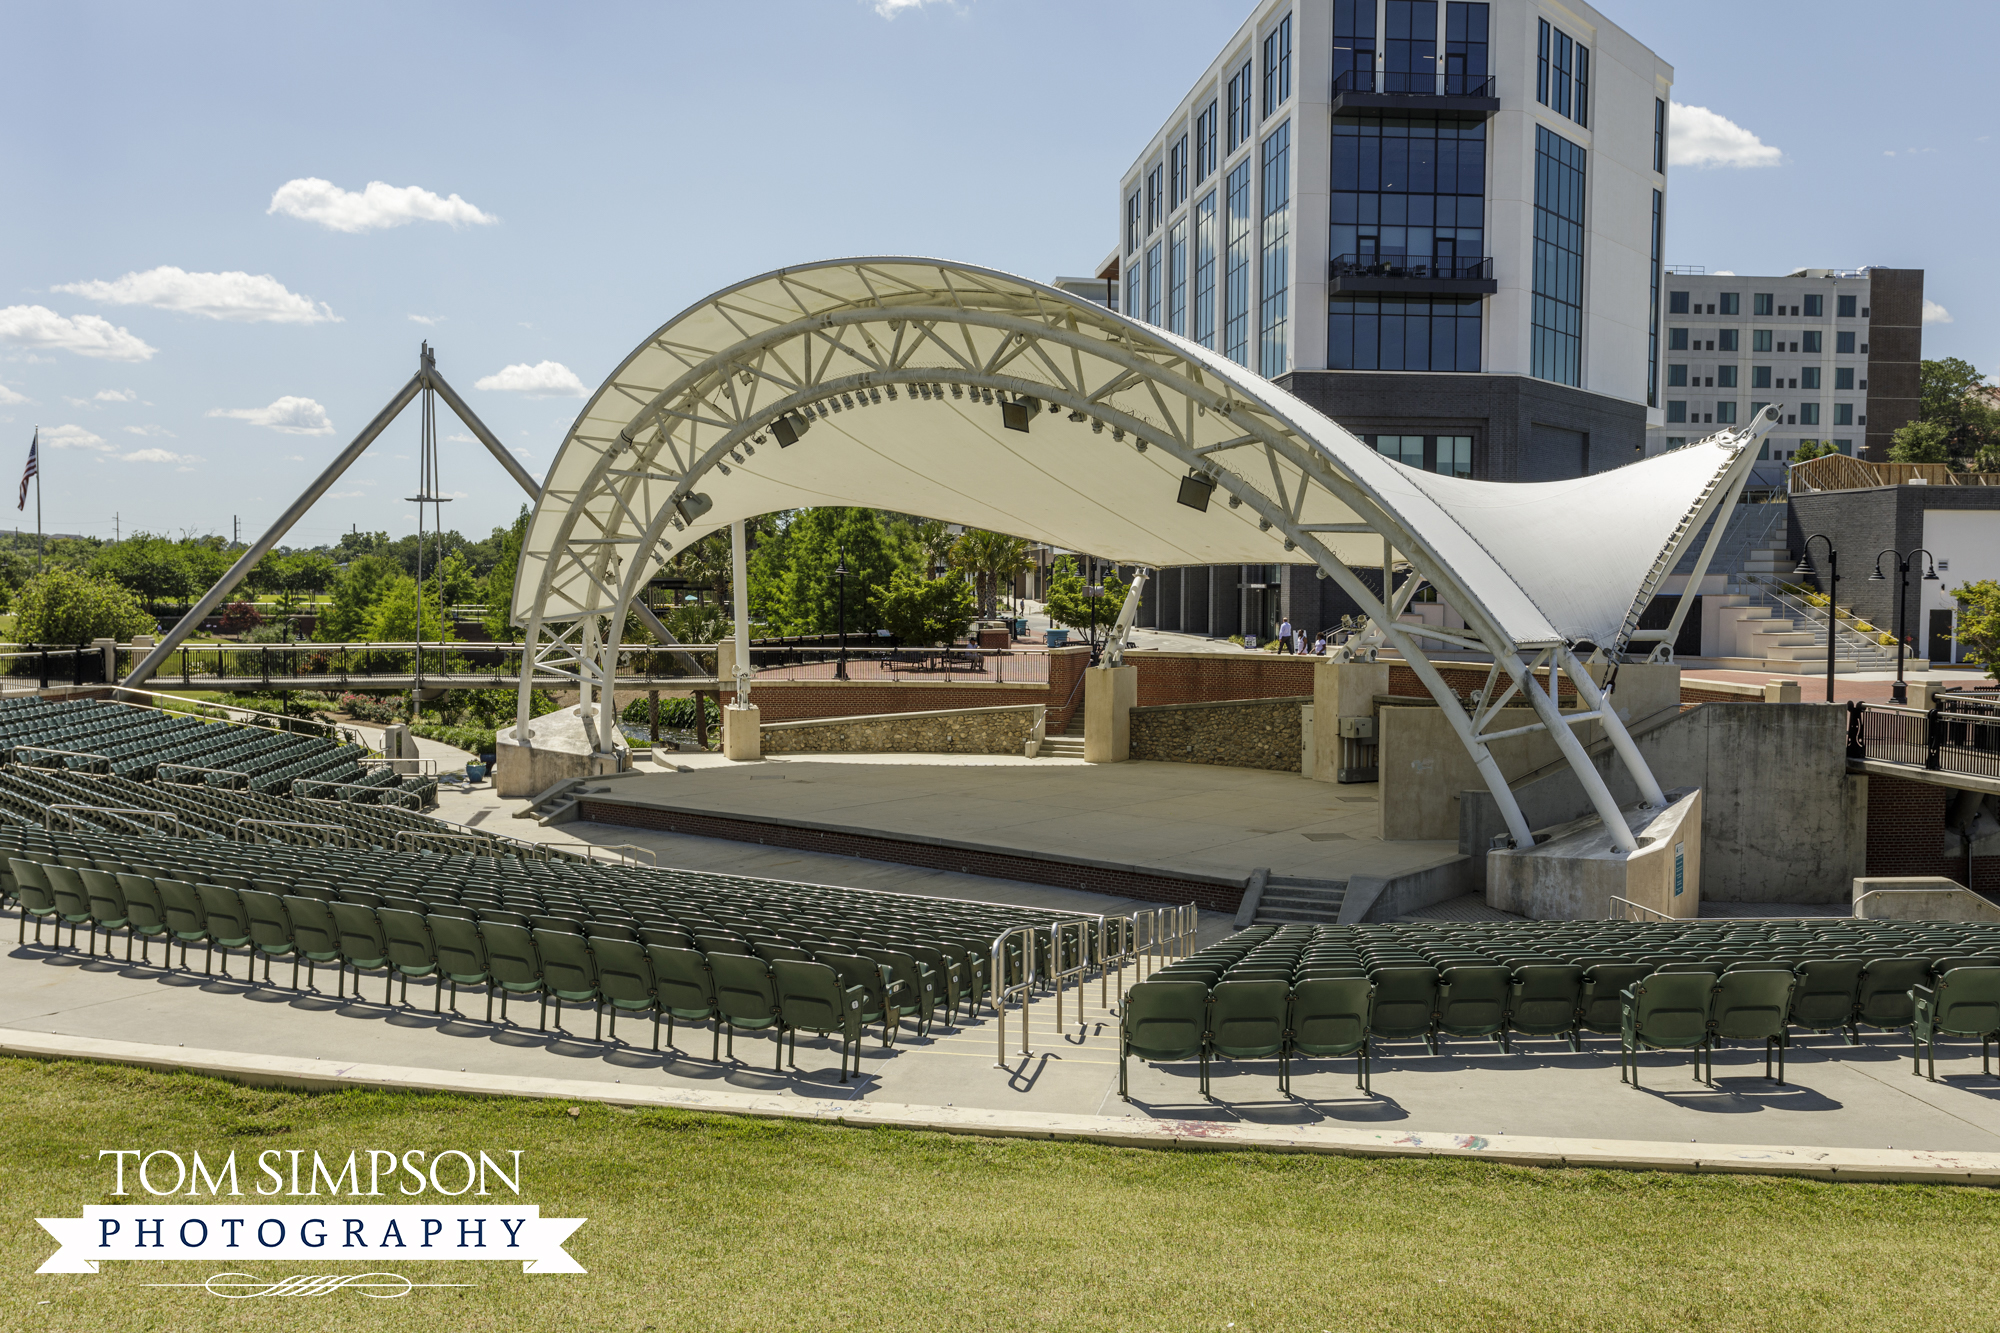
(900, 365)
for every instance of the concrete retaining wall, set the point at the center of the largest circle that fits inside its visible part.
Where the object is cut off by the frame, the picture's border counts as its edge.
(1003, 730)
(1242, 733)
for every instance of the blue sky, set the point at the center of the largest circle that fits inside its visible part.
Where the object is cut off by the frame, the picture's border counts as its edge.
(557, 181)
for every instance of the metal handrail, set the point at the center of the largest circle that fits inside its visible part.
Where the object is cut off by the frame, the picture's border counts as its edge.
(160, 772)
(1110, 951)
(255, 826)
(1651, 913)
(1074, 932)
(172, 825)
(1411, 266)
(1002, 991)
(1774, 588)
(417, 801)
(14, 753)
(419, 836)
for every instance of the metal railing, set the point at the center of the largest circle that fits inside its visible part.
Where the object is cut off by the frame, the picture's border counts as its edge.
(1004, 990)
(1959, 734)
(1624, 909)
(415, 802)
(1070, 960)
(287, 830)
(17, 751)
(159, 819)
(419, 840)
(1850, 641)
(1436, 83)
(160, 773)
(1411, 267)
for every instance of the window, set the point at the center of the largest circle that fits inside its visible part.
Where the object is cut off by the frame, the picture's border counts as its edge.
(1760, 377)
(1464, 48)
(1275, 291)
(1760, 340)
(1677, 412)
(1843, 414)
(1155, 198)
(1725, 377)
(1405, 449)
(1677, 376)
(1560, 49)
(1755, 408)
(1132, 290)
(1726, 339)
(1660, 135)
(1177, 174)
(1454, 452)
(1239, 108)
(1843, 377)
(1204, 144)
(1278, 65)
(1815, 307)
(1236, 267)
(1557, 311)
(1809, 377)
(1132, 224)
(1653, 306)
(1732, 303)
(1811, 337)
(1153, 285)
(1725, 414)
(1760, 305)
(1354, 44)
(1677, 340)
(1582, 116)
(1435, 333)
(1677, 303)
(1204, 271)
(1844, 446)
(1177, 277)
(1411, 64)
(1408, 191)
(1843, 342)
(1844, 307)
(1808, 414)
(1542, 62)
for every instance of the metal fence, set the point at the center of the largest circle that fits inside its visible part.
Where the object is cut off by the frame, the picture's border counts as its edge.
(1960, 734)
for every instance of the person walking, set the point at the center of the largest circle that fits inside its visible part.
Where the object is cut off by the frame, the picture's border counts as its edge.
(1285, 636)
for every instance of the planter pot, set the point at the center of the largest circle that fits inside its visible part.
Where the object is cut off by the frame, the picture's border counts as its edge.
(1058, 638)
(475, 772)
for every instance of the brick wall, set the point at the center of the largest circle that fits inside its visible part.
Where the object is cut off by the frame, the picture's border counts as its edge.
(1906, 829)
(1064, 699)
(1195, 678)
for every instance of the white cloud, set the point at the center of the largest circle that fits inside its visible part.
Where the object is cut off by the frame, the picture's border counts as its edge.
(346, 495)
(8, 397)
(460, 437)
(158, 456)
(116, 396)
(148, 430)
(1723, 273)
(1698, 137)
(377, 206)
(430, 321)
(544, 379)
(1935, 313)
(73, 437)
(294, 416)
(86, 335)
(888, 9)
(250, 298)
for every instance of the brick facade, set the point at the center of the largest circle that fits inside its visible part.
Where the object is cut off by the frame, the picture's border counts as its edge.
(930, 855)
(1200, 678)
(1906, 829)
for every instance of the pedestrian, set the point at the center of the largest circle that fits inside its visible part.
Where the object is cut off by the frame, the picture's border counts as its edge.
(1285, 636)
(1319, 645)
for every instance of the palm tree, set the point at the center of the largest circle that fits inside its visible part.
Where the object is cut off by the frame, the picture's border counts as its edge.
(989, 557)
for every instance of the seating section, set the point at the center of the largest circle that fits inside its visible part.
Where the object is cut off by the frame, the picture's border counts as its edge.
(1693, 985)
(742, 955)
(134, 742)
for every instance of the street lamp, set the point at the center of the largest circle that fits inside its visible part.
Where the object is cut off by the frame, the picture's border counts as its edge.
(1901, 694)
(1832, 592)
(840, 574)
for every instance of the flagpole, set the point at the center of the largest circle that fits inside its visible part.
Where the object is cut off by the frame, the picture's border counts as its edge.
(38, 516)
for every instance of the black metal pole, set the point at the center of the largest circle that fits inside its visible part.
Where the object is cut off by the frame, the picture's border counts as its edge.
(840, 576)
(1902, 691)
(1832, 598)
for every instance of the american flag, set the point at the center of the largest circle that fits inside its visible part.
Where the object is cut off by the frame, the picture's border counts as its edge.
(34, 467)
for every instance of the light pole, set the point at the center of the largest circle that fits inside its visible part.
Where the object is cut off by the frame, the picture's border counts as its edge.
(840, 574)
(1832, 594)
(1901, 694)
(1094, 593)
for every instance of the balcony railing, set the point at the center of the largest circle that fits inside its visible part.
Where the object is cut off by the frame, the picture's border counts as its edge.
(1394, 266)
(1403, 84)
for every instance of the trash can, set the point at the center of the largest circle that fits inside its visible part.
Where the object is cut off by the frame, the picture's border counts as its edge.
(1058, 638)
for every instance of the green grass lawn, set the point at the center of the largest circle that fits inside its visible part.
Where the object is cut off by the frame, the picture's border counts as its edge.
(705, 1222)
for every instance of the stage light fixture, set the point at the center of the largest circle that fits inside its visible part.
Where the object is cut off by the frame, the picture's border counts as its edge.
(788, 429)
(1197, 488)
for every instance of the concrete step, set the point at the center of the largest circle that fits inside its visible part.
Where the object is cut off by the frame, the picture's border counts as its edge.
(1061, 747)
(1310, 901)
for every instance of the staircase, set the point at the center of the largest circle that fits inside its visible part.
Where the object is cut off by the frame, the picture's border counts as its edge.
(1290, 901)
(1069, 745)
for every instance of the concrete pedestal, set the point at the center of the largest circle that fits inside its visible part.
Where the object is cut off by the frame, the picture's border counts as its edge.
(1341, 690)
(560, 745)
(1108, 696)
(742, 732)
(1574, 870)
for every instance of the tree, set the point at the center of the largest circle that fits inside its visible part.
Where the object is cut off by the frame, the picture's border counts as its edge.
(240, 618)
(1067, 604)
(1949, 397)
(930, 545)
(990, 558)
(453, 580)
(354, 596)
(64, 606)
(311, 572)
(156, 568)
(1809, 449)
(500, 578)
(1921, 442)
(806, 597)
(1979, 623)
(395, 615)
(921, 611)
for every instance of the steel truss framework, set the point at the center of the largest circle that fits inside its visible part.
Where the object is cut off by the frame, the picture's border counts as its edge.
(900, 369)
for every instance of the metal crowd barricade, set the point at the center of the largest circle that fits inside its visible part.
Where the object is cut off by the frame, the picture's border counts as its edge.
(172, 823)
(286, 828)
(1003, 989)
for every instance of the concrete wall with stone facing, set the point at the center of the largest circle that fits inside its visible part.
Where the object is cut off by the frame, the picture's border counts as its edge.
(1244, 733)
(953, 731)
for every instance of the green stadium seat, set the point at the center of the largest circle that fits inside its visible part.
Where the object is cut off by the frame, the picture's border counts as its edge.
(1965, 1002)
(1472, 1001)
(810, 996)
(1665, 1011)
(747, 998)
(1246, 1021)
(1750, 1005)
(1544, 1000)
(1163, 1020)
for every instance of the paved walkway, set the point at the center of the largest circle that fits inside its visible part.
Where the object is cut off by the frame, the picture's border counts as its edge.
(1868, 686)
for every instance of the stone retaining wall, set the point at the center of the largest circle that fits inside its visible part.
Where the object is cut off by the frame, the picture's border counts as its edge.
(1003, 730)
(1243, 733)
